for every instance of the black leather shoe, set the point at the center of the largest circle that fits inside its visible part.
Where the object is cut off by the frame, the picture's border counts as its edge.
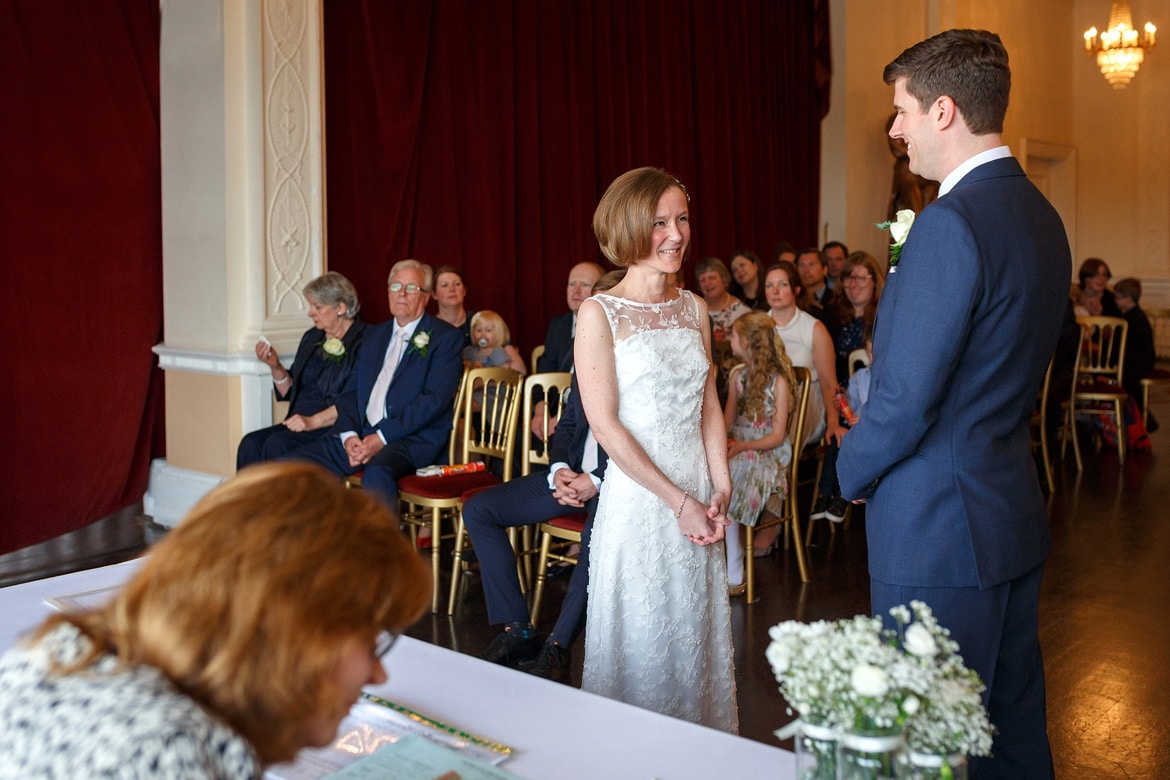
(516, 645)
(552, 663)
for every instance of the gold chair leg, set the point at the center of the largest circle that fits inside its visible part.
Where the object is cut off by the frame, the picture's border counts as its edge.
(436, 528)
(1122, 432)
(541, 569)
(800, 562)
(456, 566)
(1146, 407)
(1072, 433)
(749, 564)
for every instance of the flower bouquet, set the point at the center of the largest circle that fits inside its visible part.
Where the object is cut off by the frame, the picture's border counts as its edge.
(869, 687)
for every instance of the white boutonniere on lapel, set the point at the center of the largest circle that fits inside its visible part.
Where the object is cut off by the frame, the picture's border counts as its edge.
(334, 349)
(419, 342)
(899, 228)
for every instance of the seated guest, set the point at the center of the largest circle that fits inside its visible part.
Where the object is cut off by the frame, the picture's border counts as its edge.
(810, 346)
(449, 294)
(748, 280)
(558, 341)
(784, 251)
(239, 640)
(835, 254)
(1094, 298)
(724, 308)
(1140, 354)
(318, 374)
(492, 344)
(819, 300)
(714, 279)
(572, 482)
(397, 417)
(855, 311)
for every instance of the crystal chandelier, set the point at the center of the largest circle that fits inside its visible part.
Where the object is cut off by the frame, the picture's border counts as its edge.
(1119, 50)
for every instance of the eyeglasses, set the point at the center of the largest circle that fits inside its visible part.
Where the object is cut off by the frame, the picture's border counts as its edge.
(408, 289)
(856, 279)
(383, 643)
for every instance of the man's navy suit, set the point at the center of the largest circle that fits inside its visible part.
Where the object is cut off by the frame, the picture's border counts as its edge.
(528, 501)
(955, 517)
(558, 345)
(418, 406)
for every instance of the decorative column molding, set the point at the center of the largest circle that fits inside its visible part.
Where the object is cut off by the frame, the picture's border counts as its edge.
(294, 170)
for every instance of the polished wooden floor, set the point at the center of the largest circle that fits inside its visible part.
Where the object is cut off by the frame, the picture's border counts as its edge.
(1104, 612)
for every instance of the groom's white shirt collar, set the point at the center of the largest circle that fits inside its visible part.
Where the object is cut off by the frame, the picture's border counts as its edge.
(970, 164)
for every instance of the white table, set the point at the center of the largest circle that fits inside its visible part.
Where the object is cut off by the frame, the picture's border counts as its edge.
(558, 732)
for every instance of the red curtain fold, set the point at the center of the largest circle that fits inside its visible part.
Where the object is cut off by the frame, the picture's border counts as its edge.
(482, 134)
(81, 242)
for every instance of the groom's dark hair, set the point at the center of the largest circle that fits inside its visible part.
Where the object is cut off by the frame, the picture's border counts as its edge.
(968, 66)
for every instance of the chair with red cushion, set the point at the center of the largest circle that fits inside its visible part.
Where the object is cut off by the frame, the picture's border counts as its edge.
(1099, 366)
(427, 500)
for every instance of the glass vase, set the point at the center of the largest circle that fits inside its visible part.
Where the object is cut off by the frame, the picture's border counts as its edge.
(816, 752)
(869, 755)
(931, 766)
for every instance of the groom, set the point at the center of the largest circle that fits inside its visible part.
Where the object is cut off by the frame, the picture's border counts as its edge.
(967, 323)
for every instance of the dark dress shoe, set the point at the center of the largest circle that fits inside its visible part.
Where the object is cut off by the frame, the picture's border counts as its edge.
(552, 663)
(513, 647)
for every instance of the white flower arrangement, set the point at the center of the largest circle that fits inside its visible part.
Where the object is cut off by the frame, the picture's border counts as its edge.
(334, 349)
(857, 676)
(952, 718)
(899, 228)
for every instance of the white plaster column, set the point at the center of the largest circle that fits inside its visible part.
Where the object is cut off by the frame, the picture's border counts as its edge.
(241, 86)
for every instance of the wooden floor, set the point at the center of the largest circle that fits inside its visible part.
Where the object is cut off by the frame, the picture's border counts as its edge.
(1105, 632)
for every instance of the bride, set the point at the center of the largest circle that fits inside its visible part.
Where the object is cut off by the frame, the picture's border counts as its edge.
(658, 628)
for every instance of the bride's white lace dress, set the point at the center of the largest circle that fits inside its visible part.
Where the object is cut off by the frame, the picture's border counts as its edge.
(658, 631)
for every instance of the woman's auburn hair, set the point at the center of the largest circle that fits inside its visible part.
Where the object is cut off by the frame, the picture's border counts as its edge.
(624, 219)
(247, 605)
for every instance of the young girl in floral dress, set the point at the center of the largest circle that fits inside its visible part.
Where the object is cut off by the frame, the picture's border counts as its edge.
(761, 392)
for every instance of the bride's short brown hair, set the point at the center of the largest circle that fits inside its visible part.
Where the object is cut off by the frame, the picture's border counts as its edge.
(624, 219)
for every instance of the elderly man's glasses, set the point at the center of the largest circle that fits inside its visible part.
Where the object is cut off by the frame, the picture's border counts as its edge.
(384, 641)
(408, 289)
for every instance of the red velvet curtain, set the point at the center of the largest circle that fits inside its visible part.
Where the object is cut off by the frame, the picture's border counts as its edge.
(482, 134)
(81, 246)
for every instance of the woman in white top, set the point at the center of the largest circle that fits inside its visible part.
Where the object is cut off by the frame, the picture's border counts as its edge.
(810, 346)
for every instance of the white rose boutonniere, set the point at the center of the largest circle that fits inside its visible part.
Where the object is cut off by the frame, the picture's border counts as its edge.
(333, 349)
(419, 343)
(899, 229)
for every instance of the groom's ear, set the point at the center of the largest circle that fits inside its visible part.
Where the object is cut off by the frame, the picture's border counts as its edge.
(945, 113)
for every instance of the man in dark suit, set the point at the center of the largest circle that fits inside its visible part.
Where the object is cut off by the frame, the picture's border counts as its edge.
(397, 415)
(571, 483)
(967, 322)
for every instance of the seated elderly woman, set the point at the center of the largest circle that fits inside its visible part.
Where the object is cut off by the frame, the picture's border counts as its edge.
(246, 634)
(318, 374)
(724, 309)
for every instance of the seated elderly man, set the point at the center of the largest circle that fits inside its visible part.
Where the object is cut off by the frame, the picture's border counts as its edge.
(396, 416)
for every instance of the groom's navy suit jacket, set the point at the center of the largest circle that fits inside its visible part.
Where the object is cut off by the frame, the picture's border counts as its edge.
(419, 400)
(965, 327)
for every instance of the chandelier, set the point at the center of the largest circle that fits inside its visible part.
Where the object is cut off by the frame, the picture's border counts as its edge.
(1119, 50)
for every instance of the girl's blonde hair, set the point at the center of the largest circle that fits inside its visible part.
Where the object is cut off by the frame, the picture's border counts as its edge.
(766, 357)
(249, 603)
(499, 327)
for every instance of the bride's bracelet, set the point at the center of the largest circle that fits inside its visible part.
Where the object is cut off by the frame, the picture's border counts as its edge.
(678, 514)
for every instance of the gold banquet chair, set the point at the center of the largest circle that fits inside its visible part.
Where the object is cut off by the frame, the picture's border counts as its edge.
(426, 500)
(1097, 379)
(796, 423)
(552, 386)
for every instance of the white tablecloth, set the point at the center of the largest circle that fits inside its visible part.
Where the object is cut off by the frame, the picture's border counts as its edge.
(558, 732)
